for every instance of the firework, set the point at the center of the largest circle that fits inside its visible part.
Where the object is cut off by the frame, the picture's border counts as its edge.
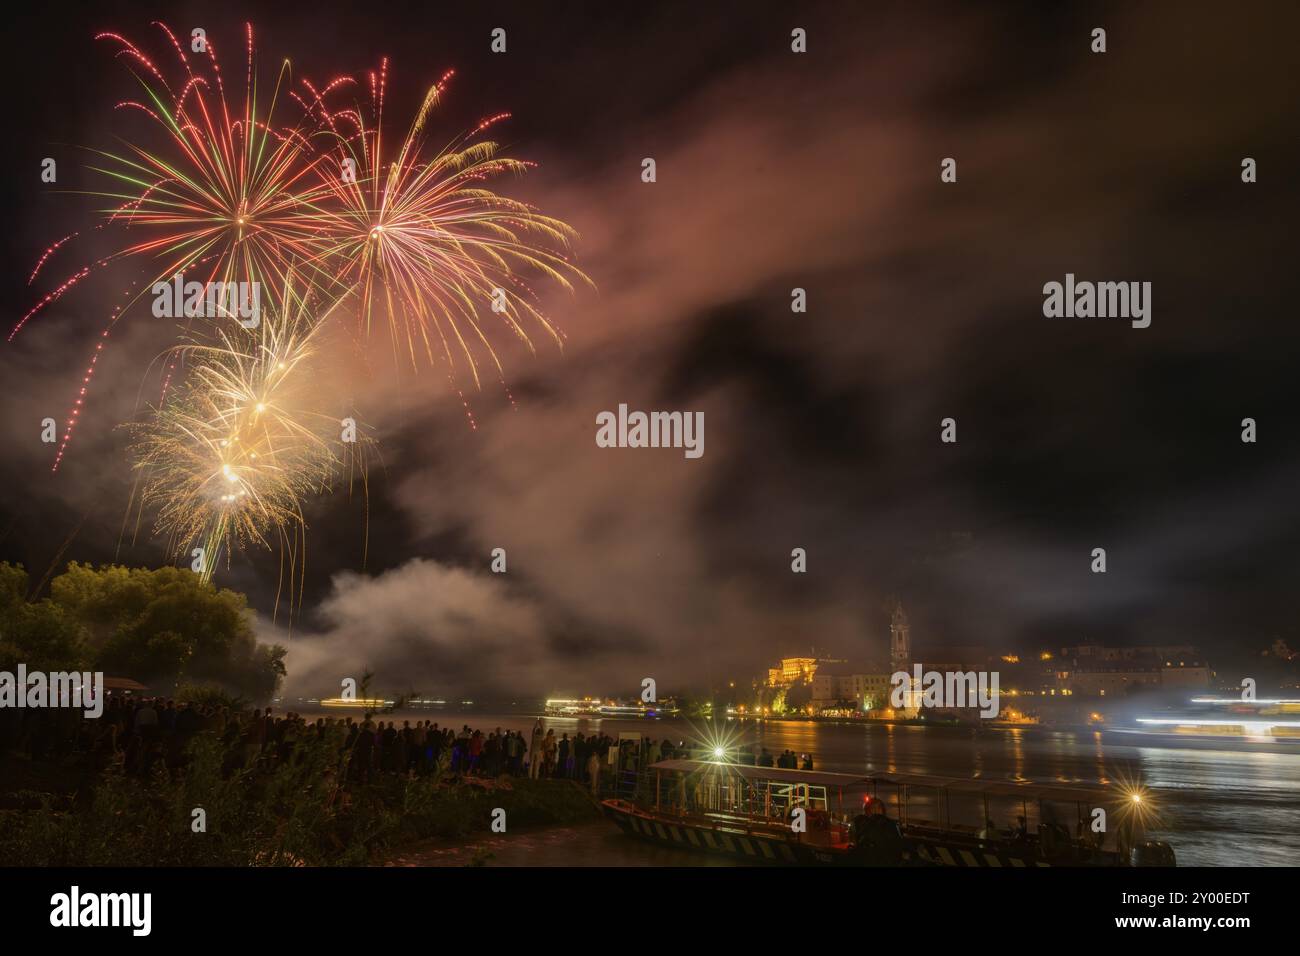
(230, 457)
(425, 243)
(226, 192)
(229, 192)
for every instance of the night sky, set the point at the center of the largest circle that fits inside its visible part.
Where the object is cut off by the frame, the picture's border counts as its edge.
(775, 171)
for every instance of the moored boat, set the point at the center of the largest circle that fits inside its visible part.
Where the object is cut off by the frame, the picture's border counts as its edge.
(766, 815)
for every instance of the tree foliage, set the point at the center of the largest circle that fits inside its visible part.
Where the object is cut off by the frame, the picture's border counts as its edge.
(159, 626)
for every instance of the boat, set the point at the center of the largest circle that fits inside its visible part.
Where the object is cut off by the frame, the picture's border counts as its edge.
(766, 815)
(589, 707)
(1227, 720)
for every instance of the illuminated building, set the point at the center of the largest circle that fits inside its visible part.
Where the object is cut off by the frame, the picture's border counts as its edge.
(793, 670)
(1098, 671)
(834, 684)
(798, 668)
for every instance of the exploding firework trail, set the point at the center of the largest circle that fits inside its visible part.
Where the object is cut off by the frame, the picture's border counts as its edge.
(228, 458)
(317, 211)
(424, 239)
(230, 193)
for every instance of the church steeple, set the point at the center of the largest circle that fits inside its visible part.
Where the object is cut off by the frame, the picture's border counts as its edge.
(900, 639)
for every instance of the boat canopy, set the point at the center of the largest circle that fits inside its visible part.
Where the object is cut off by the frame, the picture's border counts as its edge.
(1066, 793)
(749, 772)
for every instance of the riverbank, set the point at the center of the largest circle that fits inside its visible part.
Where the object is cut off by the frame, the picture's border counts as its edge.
(298, 814)
(595, 844)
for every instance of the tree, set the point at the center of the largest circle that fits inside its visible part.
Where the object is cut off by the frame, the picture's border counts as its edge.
(42, 635)
(167, 625)
(798, 696)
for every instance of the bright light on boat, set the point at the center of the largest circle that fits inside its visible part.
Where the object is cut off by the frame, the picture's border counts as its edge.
(1137, 802)
(719, 752)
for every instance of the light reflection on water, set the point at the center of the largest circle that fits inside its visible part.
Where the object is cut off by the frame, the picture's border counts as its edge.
(1218, 806)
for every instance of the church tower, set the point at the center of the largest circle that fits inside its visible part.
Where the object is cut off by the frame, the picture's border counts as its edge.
(900, 640)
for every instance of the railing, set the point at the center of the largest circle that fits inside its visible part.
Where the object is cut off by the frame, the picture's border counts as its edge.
(719, 804)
